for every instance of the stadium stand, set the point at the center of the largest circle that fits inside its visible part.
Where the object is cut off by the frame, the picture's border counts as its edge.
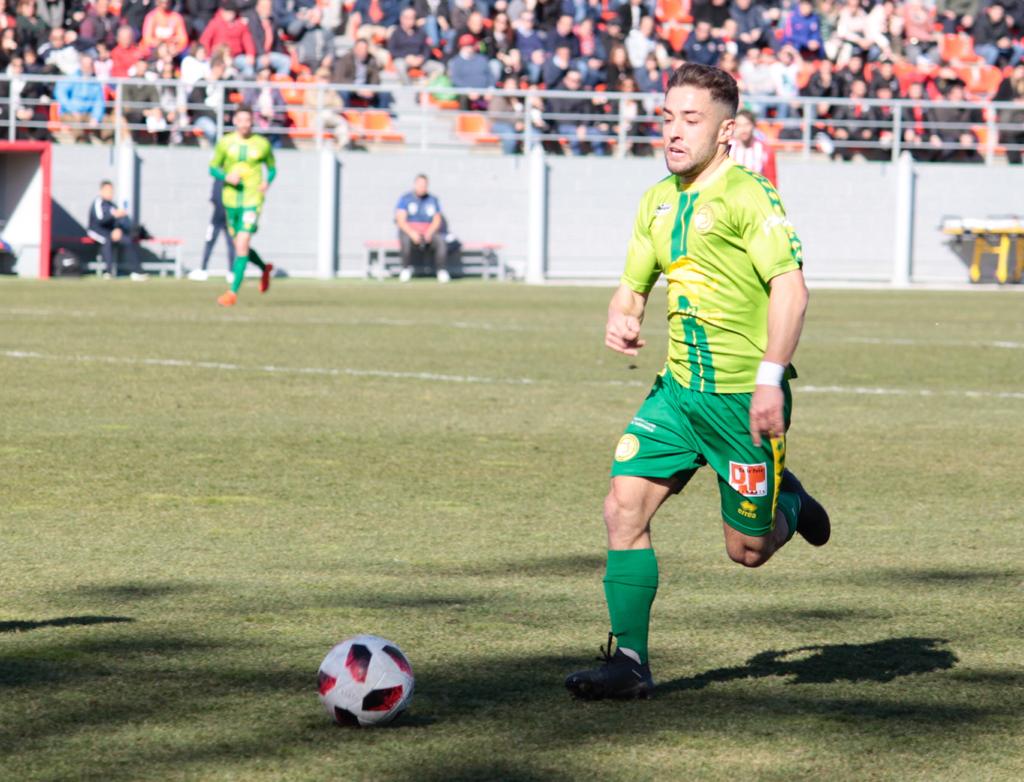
(775, 48)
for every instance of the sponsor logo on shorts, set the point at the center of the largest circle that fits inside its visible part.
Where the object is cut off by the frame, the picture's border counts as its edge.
(704, 220)
(748, 509)
(750, 480)
(643, 423)
(627, 448)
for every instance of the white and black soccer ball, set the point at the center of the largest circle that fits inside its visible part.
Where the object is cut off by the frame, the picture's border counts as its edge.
(365, 681)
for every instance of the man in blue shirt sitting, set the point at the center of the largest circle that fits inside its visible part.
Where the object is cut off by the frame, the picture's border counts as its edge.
(421, 229)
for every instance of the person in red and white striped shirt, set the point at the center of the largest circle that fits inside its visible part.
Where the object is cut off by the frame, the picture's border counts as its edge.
(749, 148)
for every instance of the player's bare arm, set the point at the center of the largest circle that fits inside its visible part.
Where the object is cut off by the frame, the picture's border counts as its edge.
(625, 315)
(787, 303)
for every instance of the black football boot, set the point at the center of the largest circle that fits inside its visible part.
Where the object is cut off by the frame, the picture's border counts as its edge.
(812, 522)
(619, 676)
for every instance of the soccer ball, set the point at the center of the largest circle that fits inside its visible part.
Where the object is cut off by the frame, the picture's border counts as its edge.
(365, 681)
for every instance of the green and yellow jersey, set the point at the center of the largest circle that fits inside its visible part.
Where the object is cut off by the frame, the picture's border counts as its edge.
(246, 157)
(718, 243)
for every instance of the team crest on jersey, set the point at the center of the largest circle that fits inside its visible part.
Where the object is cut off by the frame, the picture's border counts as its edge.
(627, 448)
(662, 209)
(704, 219)
(750, 480)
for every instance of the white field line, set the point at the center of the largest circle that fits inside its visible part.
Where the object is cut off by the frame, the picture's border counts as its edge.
(474, 379)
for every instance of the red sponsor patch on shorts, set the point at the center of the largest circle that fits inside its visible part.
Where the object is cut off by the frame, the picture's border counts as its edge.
(750, 480)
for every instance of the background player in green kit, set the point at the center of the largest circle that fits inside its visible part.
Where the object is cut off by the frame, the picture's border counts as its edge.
(736, 302)
(238, 159)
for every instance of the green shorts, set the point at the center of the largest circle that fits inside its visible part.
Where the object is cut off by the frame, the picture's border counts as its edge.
(242, 219)
(677, 430)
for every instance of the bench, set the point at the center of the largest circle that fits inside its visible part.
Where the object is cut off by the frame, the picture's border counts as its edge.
(168, 260)
(384, 259)
(994, 236)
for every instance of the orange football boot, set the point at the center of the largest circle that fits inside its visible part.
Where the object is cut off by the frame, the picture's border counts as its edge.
(227, 299)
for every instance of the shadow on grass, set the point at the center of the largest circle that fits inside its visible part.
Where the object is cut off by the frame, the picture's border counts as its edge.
(879, 661)
(131, 591)
(937, 577)
(21, 626)
(537, 567)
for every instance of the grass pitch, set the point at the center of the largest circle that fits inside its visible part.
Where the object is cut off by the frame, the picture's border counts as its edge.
(198, 503)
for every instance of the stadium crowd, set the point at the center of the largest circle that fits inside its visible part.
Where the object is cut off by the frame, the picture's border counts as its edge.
(777, 50)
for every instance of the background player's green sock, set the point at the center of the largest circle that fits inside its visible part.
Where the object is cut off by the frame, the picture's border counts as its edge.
(239, 272)
(630, 583)
(255, 258)
(789, 504)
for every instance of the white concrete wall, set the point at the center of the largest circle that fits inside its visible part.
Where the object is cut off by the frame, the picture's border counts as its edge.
(844, 212)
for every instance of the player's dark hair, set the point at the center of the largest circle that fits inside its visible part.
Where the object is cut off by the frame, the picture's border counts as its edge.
(720, 84)
(243, 107)
(422, 176)
(748, 115)
(106, 183)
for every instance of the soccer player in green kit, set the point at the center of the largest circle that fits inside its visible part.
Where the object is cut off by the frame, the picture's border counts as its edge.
(238, 160)
(736, 302)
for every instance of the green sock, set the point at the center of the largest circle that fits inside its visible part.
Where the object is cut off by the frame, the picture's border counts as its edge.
(789, 504)
(239, 271)
(255, 258)
(630, 583)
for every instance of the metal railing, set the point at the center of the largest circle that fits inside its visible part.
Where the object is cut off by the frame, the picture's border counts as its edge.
(426, 117)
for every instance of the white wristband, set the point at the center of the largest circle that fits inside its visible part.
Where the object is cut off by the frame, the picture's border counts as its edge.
(769, 374)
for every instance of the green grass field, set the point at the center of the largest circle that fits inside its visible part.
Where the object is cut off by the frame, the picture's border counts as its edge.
(198, 503)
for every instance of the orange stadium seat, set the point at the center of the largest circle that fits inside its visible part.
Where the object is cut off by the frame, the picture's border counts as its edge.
(982, 80)
(957, 48)
(673, 11)
(378, 127)
(807, 70)
(676, 36)
(474, 128)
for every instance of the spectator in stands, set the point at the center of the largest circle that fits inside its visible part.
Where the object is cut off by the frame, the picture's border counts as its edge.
(506, 115)
(581, 10)
(81, 101)
(618, 65)
(852, 32)
(882, 118)
(102, 65)
(421, 230)
(993, 41)
(433, 16)
(884, 75)
(358, 68)
(640, 41)
(592, 53)
(409, 49)
(195, 65)
(957, 14)
(228, 29)
(332, 110)
(269, 110)
(98, 26)
(503, 46)
(714, 12)
(630, 14)
(563, 36)
(126, 55)
(574, 120)
(1011, 121)
(58, 55)
(164, 25)
(802, 31)
(556, 67)
(700, 47)
(851, 129)
(206, 99)
(373, 18)
(142, 117)
(758, 79)
(884, 30)
(20, 96)
(748, 149)
(32, 31)
(8, 47)
(198, 14)
(920, 39)
(470, 70)
(266, 37)
(823, 84)
(752, 28)
(649, 77)
(528, 38)
(111, 228)
(918, 122)
(303, 22)
(959, 143)
(849, 73)
(133, 14)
